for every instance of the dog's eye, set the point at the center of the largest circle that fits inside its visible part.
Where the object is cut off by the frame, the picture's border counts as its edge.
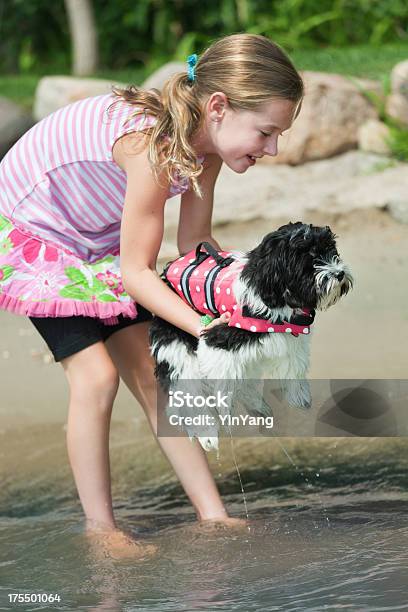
(319, 262)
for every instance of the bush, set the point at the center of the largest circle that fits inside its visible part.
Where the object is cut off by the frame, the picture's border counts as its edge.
(144, 33)
(398, 140)
(33, 34)
(398, 133)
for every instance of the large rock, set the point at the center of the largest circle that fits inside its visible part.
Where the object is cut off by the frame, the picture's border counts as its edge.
(397, 101)
(53, 92)
(159, 77)
(398, 209)
(373, 136)
(353, 181)
(333, 109)
(14, 121)
(397, 108)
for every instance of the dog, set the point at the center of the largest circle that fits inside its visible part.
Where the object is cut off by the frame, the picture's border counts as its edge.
(272, 293)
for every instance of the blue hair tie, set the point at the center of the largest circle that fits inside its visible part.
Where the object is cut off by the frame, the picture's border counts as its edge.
(191, 61)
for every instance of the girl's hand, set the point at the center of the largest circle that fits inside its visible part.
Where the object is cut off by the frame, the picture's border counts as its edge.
(224, 318)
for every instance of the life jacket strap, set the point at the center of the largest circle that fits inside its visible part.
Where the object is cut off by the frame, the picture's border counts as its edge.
(185, 276)
(220, 260)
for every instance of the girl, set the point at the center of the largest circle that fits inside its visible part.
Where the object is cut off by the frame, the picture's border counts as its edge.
(89, 182)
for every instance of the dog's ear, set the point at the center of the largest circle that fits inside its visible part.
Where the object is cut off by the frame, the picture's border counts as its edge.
(322, 242)
(312, 239)
(272, 242)
(290, 227)
(301, 237)
(265, 269)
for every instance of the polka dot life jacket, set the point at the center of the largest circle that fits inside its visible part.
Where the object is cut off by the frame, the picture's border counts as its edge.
(204, 279)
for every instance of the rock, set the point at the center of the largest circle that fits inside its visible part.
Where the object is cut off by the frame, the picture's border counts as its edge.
(397, 108)
(372, 137)
(397, 101)
(56, 91)
(376, 190)
(353, 181)
(333, 109)
(399, 78)
(14, 121)
(157, 79)
(398, 209)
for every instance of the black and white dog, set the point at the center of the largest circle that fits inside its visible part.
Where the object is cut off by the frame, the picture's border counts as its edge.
(293, 271)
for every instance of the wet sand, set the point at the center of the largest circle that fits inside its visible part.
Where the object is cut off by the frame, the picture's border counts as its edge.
(364, 336)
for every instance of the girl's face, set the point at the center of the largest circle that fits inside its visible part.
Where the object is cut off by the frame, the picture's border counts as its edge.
(237, 135)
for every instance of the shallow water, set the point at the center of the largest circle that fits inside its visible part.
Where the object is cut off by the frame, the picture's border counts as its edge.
(328, 531)
(328, 524)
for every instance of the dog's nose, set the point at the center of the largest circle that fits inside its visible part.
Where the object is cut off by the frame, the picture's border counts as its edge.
(339, 275)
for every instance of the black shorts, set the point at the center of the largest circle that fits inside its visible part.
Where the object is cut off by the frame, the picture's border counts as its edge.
(65, 336)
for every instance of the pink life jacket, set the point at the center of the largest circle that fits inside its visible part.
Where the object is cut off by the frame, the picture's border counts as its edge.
(204, 280)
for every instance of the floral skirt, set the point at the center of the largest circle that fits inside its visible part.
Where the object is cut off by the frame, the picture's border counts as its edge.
(41, 279)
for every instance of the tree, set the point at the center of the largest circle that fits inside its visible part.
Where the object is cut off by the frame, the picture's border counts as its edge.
(84, 36)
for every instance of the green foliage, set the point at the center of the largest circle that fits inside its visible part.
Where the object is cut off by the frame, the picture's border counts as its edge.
(33, 35)
(381, 166)
(398, 140)
(398, 133)
(142, 34)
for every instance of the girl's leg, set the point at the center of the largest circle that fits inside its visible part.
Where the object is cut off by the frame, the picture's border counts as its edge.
(93, 381)
(129, 349)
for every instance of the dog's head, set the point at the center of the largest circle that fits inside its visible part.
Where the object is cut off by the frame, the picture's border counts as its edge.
(297, 266)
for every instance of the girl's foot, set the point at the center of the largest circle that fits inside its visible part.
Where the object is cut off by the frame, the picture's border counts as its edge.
(226, 521)
(116, 544)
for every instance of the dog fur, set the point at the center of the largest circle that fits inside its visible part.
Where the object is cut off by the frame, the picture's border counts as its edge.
(297, 266)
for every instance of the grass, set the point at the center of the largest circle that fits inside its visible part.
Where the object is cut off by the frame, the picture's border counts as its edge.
(398, 141)
(362, 61)
(21, 87)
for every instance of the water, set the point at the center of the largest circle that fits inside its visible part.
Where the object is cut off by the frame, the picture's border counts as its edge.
(328, 527)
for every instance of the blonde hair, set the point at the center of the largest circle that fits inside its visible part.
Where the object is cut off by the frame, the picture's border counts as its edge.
(249, 68)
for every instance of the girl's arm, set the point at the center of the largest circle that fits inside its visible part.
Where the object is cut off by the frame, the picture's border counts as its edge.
(140, 240)
(195, 213)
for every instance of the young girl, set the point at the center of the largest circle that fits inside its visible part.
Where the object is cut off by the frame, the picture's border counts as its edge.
(90, 182)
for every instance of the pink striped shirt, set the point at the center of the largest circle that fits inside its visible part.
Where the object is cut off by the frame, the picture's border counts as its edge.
(60, 180)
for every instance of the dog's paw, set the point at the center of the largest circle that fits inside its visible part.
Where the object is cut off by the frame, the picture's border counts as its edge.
(297, 394)
(209, 443)
(303, 405)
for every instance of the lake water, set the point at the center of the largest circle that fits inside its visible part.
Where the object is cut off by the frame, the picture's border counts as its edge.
(328, 529)
(328, 520)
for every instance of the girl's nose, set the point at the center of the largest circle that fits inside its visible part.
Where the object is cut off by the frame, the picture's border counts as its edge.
(271, 147)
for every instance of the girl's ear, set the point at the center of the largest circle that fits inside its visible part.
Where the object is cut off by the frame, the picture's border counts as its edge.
(216, 105)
